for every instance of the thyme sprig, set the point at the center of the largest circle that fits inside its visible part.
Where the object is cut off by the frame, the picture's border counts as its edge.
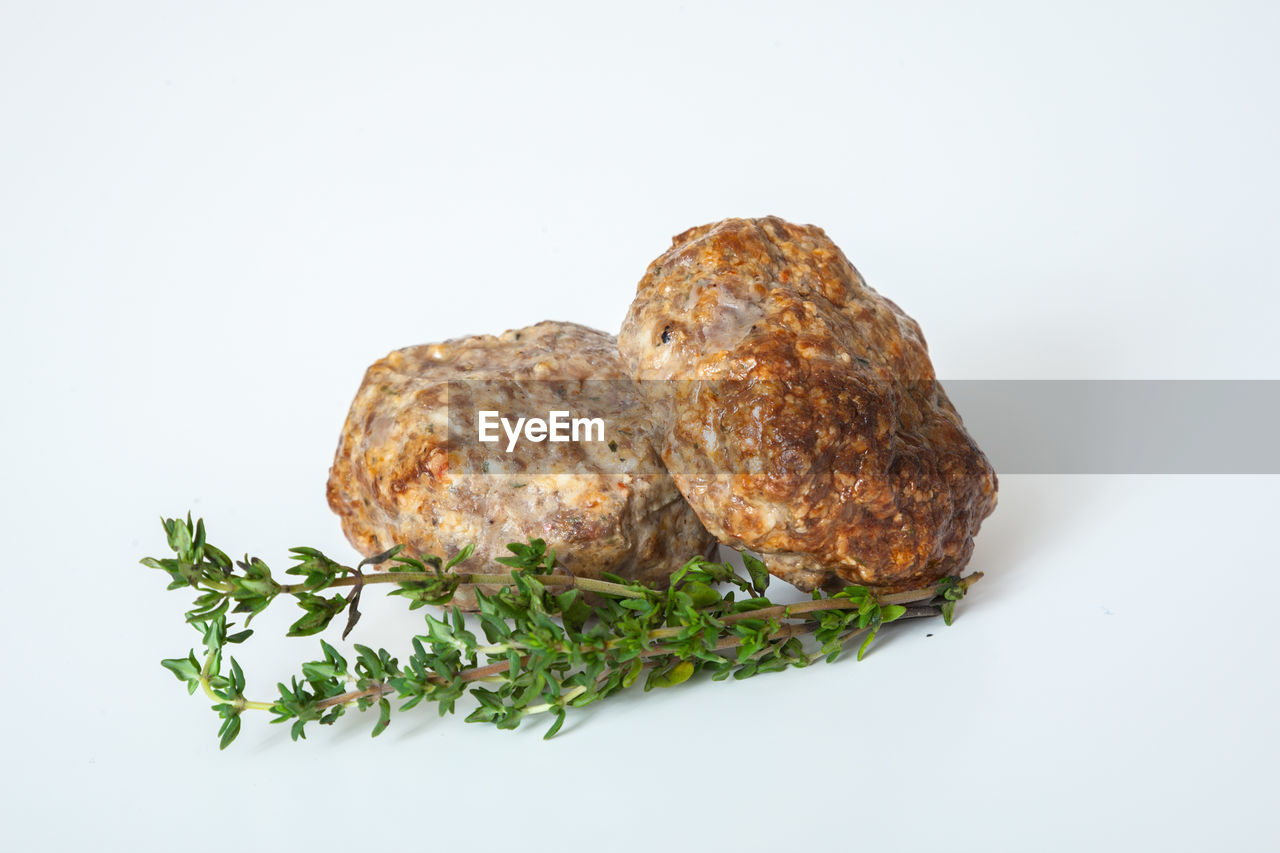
(553, 641)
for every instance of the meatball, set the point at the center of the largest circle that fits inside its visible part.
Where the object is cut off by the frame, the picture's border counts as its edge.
(397, 478)
(801, 414)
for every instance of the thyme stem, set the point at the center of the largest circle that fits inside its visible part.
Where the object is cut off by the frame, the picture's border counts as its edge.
(472, 578)
(487, 672)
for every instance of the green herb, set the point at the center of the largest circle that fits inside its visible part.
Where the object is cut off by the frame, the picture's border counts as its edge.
(546, 647)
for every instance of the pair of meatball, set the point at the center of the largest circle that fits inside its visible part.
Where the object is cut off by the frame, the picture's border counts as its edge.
(794, 410)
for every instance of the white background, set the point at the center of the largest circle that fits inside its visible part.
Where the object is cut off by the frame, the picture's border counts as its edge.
(214, 216)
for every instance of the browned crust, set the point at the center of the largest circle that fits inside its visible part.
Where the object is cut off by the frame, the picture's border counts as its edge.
(818, 433)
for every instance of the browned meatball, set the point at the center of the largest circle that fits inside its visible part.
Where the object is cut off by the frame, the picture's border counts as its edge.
(811, 427)
(611, 507)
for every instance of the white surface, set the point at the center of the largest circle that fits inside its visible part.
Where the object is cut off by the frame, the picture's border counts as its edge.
(212, 221)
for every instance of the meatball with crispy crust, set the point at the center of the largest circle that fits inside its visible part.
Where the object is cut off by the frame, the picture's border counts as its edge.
(802, 416)
(397, 478)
